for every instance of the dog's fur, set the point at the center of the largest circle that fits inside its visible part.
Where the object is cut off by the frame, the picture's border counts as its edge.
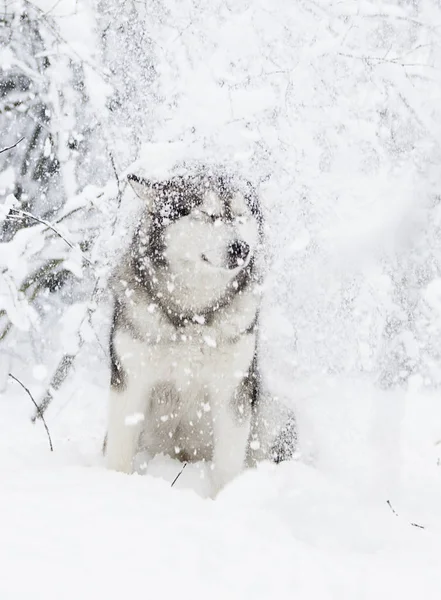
(185, 378)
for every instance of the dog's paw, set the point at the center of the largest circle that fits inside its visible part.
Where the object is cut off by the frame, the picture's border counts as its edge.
(119, 463)
(219, 479)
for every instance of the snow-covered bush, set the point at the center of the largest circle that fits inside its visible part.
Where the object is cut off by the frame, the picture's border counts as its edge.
(53, 101)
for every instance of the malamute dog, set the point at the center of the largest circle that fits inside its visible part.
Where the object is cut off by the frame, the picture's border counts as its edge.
(184, 352)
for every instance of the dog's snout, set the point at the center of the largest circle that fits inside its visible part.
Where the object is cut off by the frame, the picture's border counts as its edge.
(237, 253)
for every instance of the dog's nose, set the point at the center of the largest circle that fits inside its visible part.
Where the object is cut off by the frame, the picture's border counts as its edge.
(237, 253)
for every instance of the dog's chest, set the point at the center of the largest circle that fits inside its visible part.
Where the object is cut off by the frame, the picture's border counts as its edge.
(193, 356)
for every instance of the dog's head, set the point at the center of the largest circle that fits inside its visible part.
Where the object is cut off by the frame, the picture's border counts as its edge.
(200, 231)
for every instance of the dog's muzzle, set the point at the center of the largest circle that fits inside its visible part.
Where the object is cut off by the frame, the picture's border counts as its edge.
(237, 254)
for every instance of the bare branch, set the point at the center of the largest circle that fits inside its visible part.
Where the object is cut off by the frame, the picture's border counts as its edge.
(13, 146)
(36, 406)
(381, 60)
(25, 213)
(120, 191)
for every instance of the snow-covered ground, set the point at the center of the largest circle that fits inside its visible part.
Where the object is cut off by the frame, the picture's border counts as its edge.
(317, 528)
(335, 108)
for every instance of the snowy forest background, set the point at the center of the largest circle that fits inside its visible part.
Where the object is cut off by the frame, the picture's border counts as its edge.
(332, 108)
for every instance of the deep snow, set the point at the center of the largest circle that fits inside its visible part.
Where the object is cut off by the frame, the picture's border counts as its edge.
(316, 528)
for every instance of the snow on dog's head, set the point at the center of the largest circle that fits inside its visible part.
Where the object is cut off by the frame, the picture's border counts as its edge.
(199, 231)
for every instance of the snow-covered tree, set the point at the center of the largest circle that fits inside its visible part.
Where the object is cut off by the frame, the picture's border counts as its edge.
(53, 101)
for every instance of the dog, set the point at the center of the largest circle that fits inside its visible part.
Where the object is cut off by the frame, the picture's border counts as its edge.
(184, 351)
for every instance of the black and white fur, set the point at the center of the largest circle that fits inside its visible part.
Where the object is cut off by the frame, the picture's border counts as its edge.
(185, 375)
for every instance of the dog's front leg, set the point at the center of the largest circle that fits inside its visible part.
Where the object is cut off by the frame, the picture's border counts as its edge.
(128, 400)
(125, 422)
(231, 429)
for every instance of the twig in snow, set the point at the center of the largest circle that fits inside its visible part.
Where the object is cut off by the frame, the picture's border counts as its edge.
(25, 213)
(391, 507)
(178, 475)
(13, 146)
(36, 406)
(396, 514)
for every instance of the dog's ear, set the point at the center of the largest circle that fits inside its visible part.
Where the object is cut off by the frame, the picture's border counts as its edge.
(143, 188)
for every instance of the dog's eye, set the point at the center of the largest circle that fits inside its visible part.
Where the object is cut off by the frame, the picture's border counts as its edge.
(201, 214)
(212, 218)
